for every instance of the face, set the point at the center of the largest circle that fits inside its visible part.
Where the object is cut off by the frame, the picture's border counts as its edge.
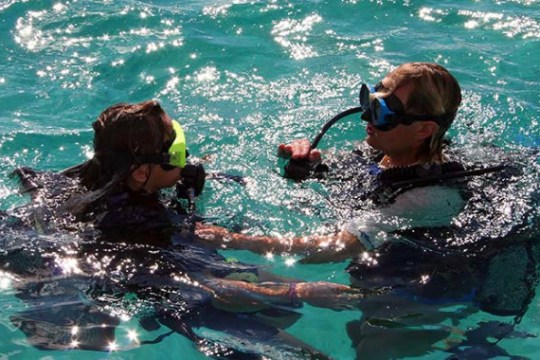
(166, 177)
(399, 140)
(157, 177)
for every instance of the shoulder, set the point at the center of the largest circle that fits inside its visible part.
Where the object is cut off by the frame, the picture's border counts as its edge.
(47, 183)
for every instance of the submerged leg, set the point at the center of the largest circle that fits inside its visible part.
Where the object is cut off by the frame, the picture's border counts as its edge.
(239, 336)
(67, 326)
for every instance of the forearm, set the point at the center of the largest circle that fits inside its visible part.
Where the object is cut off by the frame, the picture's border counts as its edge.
(244, 296)
(339, 243)
(221, 237)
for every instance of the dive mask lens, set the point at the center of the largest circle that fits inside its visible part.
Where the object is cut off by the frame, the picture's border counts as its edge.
(375, 107)
(382, 117)
(365, 91)
(376, 111)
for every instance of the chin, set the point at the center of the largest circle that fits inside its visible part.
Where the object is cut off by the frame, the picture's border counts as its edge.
(371, 141)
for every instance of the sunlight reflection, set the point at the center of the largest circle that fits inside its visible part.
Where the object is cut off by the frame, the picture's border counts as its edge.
(58, 7)
(510, 26)
(74, 330)
(118, 62)
(208, 73)
(171, 86)
(290, 262)
(215, 11)
(292, 35)
(6, 280)
(154, 47)
(471, 24)
(68, 265)
(369, 258)
(430, 14)
(113, 346)
(133, 336)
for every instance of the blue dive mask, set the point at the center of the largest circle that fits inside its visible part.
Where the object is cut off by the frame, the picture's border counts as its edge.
(387, 113)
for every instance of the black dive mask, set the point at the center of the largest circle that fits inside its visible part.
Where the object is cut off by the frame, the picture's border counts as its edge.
(387, 113)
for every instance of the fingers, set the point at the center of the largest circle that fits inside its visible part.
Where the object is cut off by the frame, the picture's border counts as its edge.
(284, 150)
(299, 149)
(314, 155)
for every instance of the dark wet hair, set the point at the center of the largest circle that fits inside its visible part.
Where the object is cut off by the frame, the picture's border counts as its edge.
(122, 133)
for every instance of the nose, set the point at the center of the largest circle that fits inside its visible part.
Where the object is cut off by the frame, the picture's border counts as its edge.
(366, 116)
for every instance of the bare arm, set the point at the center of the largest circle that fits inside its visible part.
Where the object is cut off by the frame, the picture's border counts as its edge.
(319, 248)
(243, 296)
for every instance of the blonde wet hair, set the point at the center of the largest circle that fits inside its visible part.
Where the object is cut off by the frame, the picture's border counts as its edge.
(435, 92)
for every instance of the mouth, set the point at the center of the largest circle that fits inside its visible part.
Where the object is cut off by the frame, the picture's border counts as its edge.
(370, 129)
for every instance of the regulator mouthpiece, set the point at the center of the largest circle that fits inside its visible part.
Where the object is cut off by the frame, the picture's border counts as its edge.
(192, 183)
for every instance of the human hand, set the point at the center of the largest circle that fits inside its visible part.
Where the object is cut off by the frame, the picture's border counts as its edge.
(211, 233)
(299, 149)
(327, 295)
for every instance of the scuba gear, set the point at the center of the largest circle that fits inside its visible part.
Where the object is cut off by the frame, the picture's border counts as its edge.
(174, 152)
(383, 118)
(387, 113)
(301, 169)
(177, 151)
(395, 181)
(191, 185)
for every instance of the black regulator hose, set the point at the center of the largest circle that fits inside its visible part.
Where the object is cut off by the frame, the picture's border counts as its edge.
(301, 169)
(193, 179)
(332, 121)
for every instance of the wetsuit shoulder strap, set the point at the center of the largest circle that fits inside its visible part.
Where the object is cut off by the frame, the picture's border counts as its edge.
(401, 176)
(395, 181)
(448, 171)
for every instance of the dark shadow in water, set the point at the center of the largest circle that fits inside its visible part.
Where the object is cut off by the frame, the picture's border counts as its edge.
(77, 283)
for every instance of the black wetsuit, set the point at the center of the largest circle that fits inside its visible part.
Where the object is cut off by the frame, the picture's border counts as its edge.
(136, 252)
(421, 270)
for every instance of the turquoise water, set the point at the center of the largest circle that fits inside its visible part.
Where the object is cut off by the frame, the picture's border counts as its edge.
(243, 76)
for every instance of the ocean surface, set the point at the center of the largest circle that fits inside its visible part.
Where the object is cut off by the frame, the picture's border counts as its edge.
(242, 77)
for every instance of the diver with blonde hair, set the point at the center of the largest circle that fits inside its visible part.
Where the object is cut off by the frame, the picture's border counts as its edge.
(407, 113)
(410, 220)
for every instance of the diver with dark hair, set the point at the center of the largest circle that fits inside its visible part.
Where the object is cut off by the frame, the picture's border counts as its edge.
(126, 239)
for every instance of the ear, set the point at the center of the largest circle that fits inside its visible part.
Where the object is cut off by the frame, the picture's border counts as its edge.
(140, 174)
(426, 129)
